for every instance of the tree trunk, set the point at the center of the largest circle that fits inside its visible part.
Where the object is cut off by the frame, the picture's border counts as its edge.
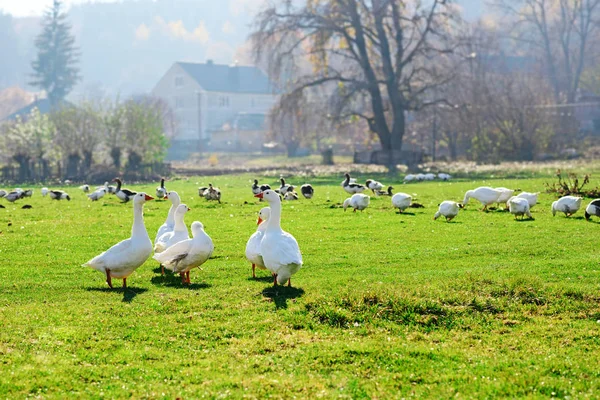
(115, 154)
(72, 165)
(134, 161)
(87, 162)
(292, 148)
(24, 172)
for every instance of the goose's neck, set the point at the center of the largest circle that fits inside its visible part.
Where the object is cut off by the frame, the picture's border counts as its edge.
(274, 221)
(347, 181)
(118, 185)
(171, 214)
(138, 228)
(467, 197)
(179, 224)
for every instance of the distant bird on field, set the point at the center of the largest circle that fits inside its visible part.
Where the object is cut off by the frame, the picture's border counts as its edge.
(448, 209)
(59, 195)
(568, 205)
(123, 194)
(85, 188)
(161, 192)
(592, 209)
(531, 198)
(351, 187)
(283, 189)
(212, 193)
(486, 195)
(3, 193)
(307, 190)
(401, 201)
(358, 201)
(519, 206)
(44, 191)
(97, 194)
(387, 192)
(290, 194)
(373, 185)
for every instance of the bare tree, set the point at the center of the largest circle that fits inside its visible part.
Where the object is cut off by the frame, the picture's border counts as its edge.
(382, 56)
(562, 31)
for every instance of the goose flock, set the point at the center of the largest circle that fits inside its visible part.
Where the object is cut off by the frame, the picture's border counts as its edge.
(269, 247)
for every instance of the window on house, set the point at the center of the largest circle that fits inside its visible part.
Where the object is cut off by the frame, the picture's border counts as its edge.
(224, 101)
(178, 81)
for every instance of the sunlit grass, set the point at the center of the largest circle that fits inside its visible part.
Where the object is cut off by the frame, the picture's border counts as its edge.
(387, 305)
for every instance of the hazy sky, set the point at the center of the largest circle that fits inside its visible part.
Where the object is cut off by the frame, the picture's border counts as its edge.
(23, 8)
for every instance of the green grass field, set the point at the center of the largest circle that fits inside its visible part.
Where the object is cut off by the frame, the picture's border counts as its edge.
(386, 305)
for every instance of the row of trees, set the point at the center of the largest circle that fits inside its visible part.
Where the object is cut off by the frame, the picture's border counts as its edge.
(400, 66)
(88, 140)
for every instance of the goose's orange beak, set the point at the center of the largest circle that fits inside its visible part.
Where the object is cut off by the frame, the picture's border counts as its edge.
(260, 220)
(149, 198)
(189, 209)
(260, 195)
(166, 197)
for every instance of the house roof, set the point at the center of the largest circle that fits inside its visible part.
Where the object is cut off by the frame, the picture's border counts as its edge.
(43, 106)
(224, 78)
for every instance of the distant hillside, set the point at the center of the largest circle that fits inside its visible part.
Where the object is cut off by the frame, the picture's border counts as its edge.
(126, 46)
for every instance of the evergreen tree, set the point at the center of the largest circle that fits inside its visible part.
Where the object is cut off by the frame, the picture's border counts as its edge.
(55, 67)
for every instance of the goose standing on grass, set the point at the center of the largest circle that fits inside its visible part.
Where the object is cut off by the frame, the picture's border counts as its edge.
(97, 194)
(444, 177)
(401, 201)
(519, 206)
(212, 193)
(202, 190)
(3, 193)
(279, 249)
(27, 193)
(530, 197)
(13, 196)
(409, 178)
(358, 201)
(290, 194)
(169, 224)
(506, 194)
(44, 191)
(256, 188)
(85, 188)
(123, 194)
(486, 195)
(283, 189)
(592, 209)
(449, 209)
(187, 254)
(307, 191)
(351, 187)
(161, 192)
(126, 256)
(178, 233)
(568, 205)
(429, 176)
(373, 185)
(59, 195)
(253, 253)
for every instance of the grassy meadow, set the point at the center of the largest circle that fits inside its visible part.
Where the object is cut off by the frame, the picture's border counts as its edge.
(386, 305)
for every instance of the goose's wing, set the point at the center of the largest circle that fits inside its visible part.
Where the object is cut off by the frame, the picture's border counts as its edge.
(288, 250)
(175, 253)
(113, 253)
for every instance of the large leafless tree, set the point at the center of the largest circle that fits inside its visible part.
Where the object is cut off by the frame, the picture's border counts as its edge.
(382, 57)
(563, 33)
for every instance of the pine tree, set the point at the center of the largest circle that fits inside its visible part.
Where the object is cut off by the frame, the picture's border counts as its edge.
(55, 67)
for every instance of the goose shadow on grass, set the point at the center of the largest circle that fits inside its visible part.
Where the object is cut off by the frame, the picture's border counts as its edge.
(261, 279)
(281, 294)
(129, 293)
(170, 279)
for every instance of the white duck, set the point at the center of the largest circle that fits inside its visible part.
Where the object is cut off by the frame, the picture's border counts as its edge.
(351, 187)
(187, 254)
(519, 206)
(253, 253)
(568, 205)
(401, 201)
(97, 194)
(358, 201)
(486, 195)
(169, 224)
(178, 233)
(279, 249)
(123, 194)
(409, 178)
(530, 197)
(506, 194)
(429, 176)
(85, 188)
(161, 192)
(44, 191)
(374, 185)
(449, 209)
(126, 256)
(444, 177)
(592, 209)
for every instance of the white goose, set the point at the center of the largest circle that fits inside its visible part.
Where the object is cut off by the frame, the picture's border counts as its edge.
(568, 205)
(187, 254)
(85, 188)
(283, 189)
(253, 253)
(126, 256)
(486, 195)
(279, 249)
(592, 209)
(374, 185)
(506, 194)
(358, 201)
(449, 209)
(98, 194)
(161, 192)
(401, 201)
(530, 197)
(44, 191)
(169, 224)
(178, 233)
(519, 206)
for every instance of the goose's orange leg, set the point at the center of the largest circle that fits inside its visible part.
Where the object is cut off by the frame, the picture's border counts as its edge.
(274, 279)
(253, 273)
(124, 283)
(187, 274)
(290, 282)
(108, 279)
